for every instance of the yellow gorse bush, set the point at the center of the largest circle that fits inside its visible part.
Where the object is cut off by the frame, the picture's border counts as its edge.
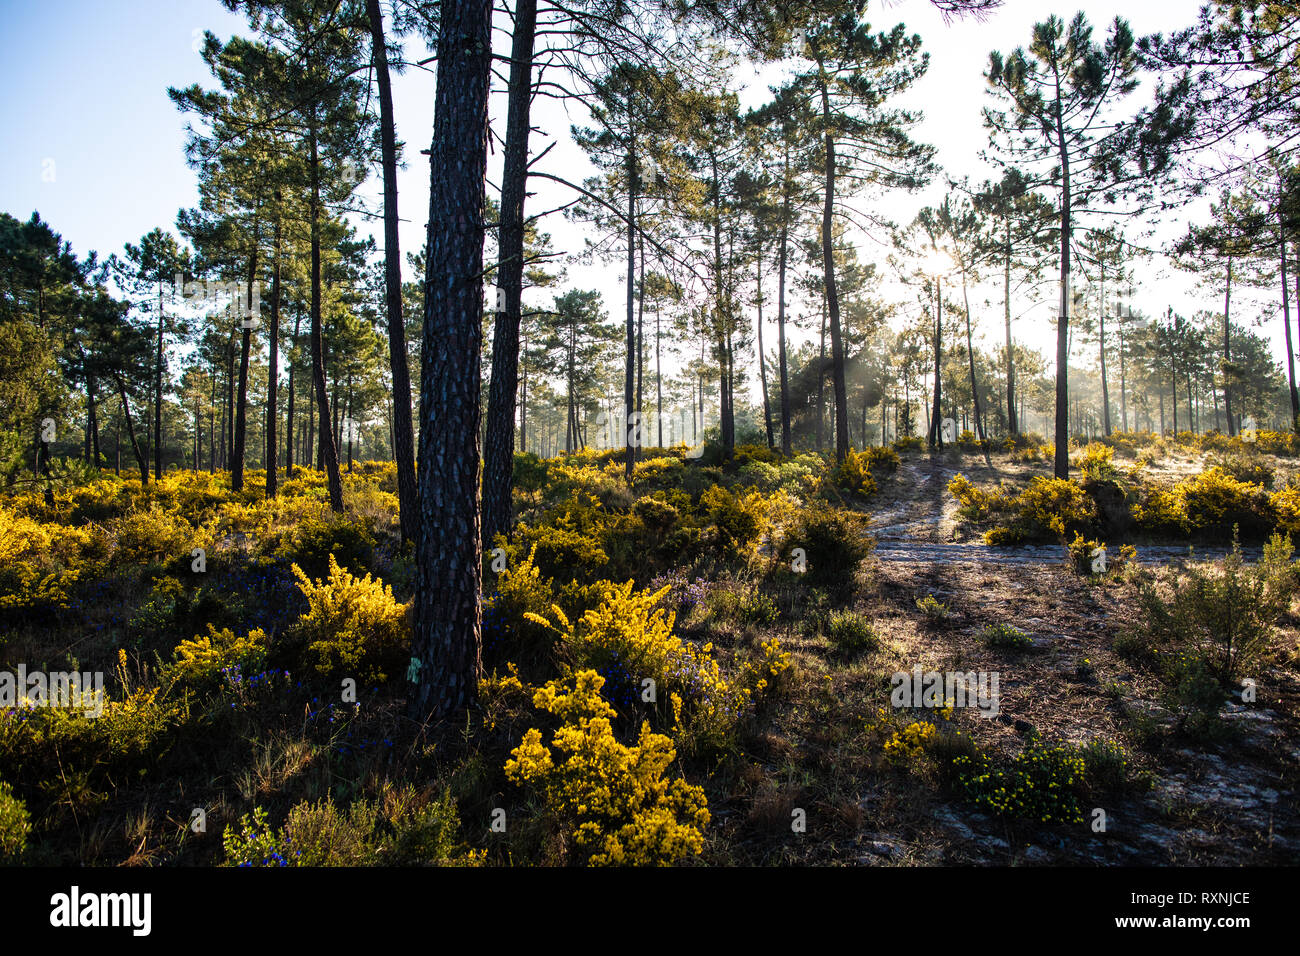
(628, 631)
(906, 746)
(35, 561)
(205, 655)
(612, 800)
(353, 626)
(854, 473)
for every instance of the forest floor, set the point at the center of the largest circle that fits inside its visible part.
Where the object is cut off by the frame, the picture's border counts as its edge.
(1226, 800)
(811, 776)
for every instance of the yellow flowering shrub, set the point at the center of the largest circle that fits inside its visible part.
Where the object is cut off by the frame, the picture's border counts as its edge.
(854, 474)
(570, 541)
(974, 502)
(203, 657)
(353, 626)
(612, 801)
(1097, 461)
(1286, 505)
(36, 561)
(627, 638)
(510, 610)
(1160, 512)
(1054, 505)
(1215, 501)
(908, 745)
(154, 536)
(736, 519)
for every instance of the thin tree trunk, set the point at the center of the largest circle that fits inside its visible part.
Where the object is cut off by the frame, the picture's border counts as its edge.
(934, 432)
(832, 295)
(130, 431)
(1013, 425)
(786, 447)
(403, 429)
(630, 365)
(974, 386)
(328, 448)
(762, 362)
(1061, 464)
(1105, 393)
(1227, 350)
(241, 399)
(158, 392)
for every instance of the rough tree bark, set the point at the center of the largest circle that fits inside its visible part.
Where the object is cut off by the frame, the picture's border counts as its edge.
(403, 429)
(447, 646)
(499, 440)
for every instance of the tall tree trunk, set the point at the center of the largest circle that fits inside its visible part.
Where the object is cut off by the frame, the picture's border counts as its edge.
(974, 386)
(329, 449)
(659, 381)
(1123, 387)
(934, 432)
(821, 380)
(158, 393)
(1061, 464)
(832, 295)
(1105, 392)
(92, 414)
(1290, 352)
(762, 362)
(786, 446)
(1227, 350)
(273, 369)
(130, 431)
(446, 649)
(640, 332)
(228, 413)
(1013, 425)
(629, 371)
(246, 325)
(403, 429)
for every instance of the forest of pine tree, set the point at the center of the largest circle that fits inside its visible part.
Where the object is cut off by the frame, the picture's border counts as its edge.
(731, 465)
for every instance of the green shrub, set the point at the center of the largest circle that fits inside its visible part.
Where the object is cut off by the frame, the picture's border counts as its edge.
(320, 541)
(932, 608)
(400, 828)
(1226, 615)
(15, 825)
(1041, 783)
(1006, 636)
(850, 632)
(744, 605)
(835, 542)
(1246, 468)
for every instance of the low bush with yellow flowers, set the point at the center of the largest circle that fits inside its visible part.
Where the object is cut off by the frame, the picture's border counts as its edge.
(353, 627)
(611, 802)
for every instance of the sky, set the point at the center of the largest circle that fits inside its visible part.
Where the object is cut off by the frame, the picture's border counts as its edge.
(94, 144)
